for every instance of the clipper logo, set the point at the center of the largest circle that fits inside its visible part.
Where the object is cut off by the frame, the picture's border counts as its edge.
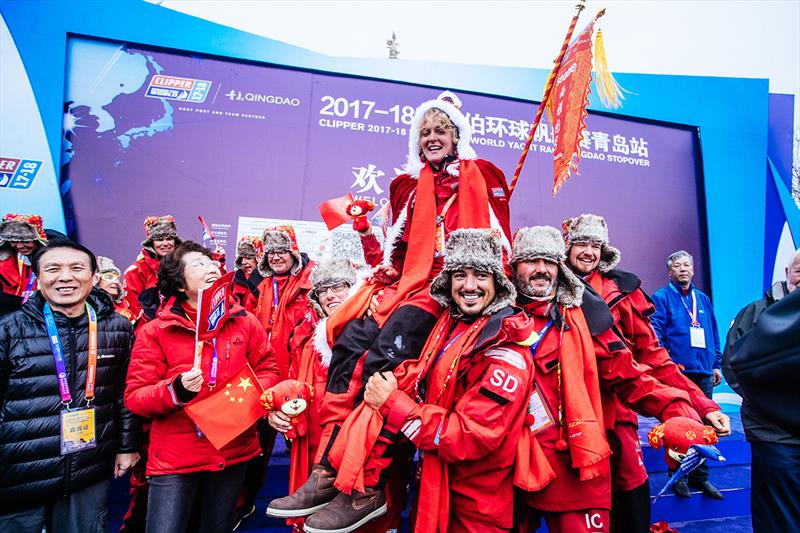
(181, 89)
(218, 309)
(18, 173)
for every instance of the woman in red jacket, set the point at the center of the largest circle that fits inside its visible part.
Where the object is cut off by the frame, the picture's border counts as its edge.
(183, 465)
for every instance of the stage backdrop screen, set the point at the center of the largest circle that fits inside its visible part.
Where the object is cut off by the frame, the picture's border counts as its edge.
(151, 132)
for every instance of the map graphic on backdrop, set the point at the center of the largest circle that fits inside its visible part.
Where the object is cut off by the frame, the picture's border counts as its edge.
(148, 131)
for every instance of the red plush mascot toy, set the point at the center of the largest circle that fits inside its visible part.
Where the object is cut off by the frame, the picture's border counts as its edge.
(292, 398)
(677, 435)
(358, 210)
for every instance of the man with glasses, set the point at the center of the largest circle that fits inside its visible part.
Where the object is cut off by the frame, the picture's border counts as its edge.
(283, 301)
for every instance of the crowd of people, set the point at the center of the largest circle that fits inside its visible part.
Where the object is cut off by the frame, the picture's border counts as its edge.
(514, 366)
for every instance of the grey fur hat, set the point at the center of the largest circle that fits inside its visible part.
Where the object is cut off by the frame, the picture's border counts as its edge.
(248, 245)
(280, 239)
(479, 249)
(332, 271)
(591, 228)
(545, 242)
(106, 264)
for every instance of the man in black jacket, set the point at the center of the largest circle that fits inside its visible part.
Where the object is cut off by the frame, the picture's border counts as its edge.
(63, 427)
(761, 361)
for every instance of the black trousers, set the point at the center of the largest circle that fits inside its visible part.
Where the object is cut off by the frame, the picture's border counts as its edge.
(706, 384)
(775, 487)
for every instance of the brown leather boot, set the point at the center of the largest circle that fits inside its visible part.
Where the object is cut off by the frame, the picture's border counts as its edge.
(313, 495)
(347, 512)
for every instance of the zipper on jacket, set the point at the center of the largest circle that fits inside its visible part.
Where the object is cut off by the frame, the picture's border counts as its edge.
(71, 377)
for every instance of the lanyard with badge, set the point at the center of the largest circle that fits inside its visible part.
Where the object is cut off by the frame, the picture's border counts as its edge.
(542, 418)
(28, 291)
(77, 424)
(697, 336)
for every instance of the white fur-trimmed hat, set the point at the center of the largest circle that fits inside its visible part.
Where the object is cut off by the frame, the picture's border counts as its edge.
(591, 228)
(479, 249)
(450, 104)
(545, 242)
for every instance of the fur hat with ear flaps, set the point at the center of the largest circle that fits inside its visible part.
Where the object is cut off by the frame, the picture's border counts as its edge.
(545, 242)
(248, 245)
(450, 104)
(20, 228)
(280, 239)
(591, 228)
(481, 250)
(159, 229)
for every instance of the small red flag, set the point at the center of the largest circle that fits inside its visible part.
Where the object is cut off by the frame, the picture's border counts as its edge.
(334, 211)
(230, 410)
(214, 307)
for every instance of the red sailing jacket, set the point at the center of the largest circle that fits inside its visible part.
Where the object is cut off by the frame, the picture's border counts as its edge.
(140, 279)
(630, 307)
(477, 437)
(617, 372)
(245, 291)
(12, 281)
(402, 189)
(292, 306)
(164, 348)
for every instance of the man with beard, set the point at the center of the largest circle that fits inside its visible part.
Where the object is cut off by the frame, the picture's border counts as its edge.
(462, 403)
(591, 257)
(568, 481)
(249, 252)
(142, 276)
(20, 237)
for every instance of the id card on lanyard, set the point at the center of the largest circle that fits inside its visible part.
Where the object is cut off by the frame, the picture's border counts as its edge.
(697, 335)
(537, 408)
(78, 431)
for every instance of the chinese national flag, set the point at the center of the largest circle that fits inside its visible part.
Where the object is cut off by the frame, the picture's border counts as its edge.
(333, 211)
(214, 307)
(231, 409)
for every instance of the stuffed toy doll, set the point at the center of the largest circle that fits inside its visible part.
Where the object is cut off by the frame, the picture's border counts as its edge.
(358, 210)
(292, 398)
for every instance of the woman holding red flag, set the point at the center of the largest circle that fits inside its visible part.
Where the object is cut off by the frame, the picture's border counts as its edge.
(184, 465)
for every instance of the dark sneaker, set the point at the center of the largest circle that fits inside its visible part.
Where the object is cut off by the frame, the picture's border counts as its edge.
(313, 495)
(681, 488)
(241, 514)
(708, 489)
(347, 512)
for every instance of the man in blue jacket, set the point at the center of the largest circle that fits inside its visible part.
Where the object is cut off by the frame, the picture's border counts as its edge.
(685, 324)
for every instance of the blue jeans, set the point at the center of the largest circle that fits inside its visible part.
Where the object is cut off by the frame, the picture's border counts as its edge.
(84, 511)
(775, 487)
(172, 496)
(706, 384)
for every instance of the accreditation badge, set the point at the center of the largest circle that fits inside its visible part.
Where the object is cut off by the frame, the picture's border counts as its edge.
(542, 419)
(697, 337)
(77, 430)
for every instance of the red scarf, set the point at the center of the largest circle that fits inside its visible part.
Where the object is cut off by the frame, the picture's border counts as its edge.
(473, 212)
(273, 318)
(583, 412)
(352, 447)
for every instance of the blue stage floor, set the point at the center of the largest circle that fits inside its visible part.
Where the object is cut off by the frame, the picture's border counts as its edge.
(698, 514)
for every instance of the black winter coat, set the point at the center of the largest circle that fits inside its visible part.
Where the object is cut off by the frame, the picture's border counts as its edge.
(32, 471)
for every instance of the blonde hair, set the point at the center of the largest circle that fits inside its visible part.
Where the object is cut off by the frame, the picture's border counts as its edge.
(442, 119)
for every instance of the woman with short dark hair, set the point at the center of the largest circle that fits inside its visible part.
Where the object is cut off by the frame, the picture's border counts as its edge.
(183, 464)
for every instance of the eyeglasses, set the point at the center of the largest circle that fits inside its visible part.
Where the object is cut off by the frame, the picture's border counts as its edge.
(200, 263)
(275, 253)
(336, 289)
(109, 276)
